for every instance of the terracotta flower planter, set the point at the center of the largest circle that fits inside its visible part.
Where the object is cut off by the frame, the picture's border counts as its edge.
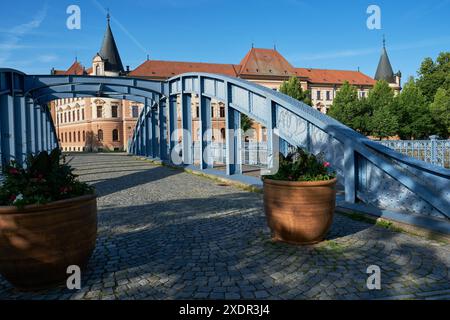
(299, 212)
(39, 242)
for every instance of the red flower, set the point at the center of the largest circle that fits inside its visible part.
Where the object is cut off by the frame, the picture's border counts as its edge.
(13, 171)
(326, 164)
(64, 189)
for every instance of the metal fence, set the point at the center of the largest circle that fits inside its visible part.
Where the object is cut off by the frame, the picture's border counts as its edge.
(433, 151)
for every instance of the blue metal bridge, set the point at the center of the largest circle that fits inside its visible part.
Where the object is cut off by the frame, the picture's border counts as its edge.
(374, 177)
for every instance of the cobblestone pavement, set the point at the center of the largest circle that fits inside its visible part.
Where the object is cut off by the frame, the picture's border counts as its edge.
(166, 234)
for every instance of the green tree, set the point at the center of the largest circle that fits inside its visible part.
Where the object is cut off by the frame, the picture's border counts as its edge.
(246, 123)
(293, 88)
(433, 75)
(350, 110)
(383, 123)
(440, 111)
(414, 117)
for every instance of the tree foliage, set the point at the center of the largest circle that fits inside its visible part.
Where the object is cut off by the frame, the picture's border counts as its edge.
(440, 111)
(350, 110)
(293, 88)
(414, 116)
(433, 75)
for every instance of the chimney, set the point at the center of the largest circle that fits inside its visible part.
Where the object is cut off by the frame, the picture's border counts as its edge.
(128, 69)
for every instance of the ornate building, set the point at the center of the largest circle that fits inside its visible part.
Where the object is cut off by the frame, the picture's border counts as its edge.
(92, 124)
(96, 124)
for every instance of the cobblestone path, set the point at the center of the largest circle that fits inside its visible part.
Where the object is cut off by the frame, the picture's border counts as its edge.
(166, 234)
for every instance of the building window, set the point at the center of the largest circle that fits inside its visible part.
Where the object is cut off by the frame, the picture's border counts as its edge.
(318, 95)
(135, 111)
(84, 136)
(328, 95)
(99, 111)
(78, 115)
(73, 115)
(114, 111)
(212, 112)
(100, 135)
(97, 70)
(70, 136)
(65, 136)
(69, 114)
(115, 135)
(363, 94)
(82, 114)
(222, 133)
(222, 112)
(79, 136)
(197, 112)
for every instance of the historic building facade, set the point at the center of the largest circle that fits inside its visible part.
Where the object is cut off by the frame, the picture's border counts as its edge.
(93, 124)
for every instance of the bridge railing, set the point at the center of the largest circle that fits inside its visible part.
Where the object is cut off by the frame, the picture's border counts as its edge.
(433, 151)
(25, 126)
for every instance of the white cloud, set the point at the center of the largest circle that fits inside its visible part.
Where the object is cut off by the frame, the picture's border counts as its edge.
(16, 33)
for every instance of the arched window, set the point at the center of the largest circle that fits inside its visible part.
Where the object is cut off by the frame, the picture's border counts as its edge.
(115, 135)
(70, 136)
(65, 136)
(79, 136)
(99, 111)
(100, 135)
(134, 111)
(82, 114)
(65, 117)
(84, 136)
(97, 70)
(222, 133)
(114, 113)
(74, 136)
(73, 115)
(78, 115)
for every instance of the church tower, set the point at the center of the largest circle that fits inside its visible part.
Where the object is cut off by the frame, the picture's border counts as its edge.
(385, 71)
(107, 62)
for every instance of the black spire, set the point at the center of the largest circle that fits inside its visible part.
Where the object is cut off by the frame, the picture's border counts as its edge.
(109, 51)
(384, 70)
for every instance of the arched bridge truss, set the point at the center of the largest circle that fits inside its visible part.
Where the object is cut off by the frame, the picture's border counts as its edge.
(369, 172)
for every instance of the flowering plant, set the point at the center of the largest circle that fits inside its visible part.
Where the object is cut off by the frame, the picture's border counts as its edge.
(303, 166)
(44, 178)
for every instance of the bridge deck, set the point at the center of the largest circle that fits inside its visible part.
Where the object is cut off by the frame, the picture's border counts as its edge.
(167, 234)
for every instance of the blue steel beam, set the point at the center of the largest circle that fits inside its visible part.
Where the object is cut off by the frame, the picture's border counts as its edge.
(186, 124)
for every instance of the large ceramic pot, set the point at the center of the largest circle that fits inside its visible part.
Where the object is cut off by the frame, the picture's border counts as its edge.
(299, 212)
(39, 242)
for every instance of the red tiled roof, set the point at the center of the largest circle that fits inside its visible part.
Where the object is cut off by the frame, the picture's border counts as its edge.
(335, 76)
(168, 69)
(265, 62)
(75, 69)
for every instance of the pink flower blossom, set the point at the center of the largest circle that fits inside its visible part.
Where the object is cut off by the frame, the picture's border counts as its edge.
(326, 164)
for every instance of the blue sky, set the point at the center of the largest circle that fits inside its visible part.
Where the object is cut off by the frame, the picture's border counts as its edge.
(318, 34)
